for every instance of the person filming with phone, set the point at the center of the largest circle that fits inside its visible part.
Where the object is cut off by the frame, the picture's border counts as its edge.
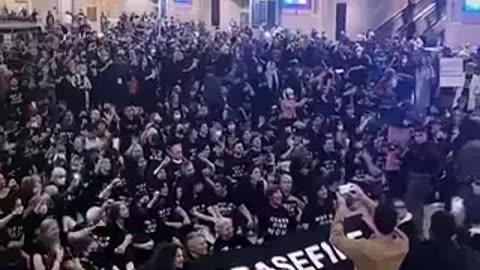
(385, 249)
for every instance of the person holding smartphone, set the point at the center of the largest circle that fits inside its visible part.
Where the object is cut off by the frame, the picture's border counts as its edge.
(385, 251)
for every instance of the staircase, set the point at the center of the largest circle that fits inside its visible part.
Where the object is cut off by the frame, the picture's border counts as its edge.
(422, 10)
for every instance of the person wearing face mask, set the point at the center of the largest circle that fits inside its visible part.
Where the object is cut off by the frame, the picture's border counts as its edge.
(359, 66)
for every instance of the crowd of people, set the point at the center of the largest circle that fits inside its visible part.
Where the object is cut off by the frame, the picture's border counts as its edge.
(22, 15)
(157, 142)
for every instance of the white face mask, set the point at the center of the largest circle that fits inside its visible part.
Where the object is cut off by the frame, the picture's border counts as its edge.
(35, 124)
(394, 82)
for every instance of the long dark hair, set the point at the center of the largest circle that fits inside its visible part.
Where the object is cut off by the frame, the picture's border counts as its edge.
(163, 257)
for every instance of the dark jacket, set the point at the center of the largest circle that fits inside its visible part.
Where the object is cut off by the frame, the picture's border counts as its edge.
(441, 255)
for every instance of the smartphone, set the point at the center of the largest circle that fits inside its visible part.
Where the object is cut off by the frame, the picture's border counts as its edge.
(457, 205)
(345, 189)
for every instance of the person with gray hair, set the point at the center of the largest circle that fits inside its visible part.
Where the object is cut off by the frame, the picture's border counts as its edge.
(227, 239)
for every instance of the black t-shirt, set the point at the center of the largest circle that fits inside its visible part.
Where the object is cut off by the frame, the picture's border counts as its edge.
(7, 203)
(147, 226)
(227, 206)
(256, 157)
(275, 222)
(442, 255)
(130, 127)
(236, 242)
(255, 199)
(331, 161)
(236, 167)
(319, 216)
(15, 101)
(198, 203)
(30, 225)
(48, 258)
(474, 241)
(13, 230)
(110, 236)
(354, 166)
(360, 76)
(173, 171)
(291, 206)
(425, 158)
(165, 210)
(192, 149)
(155, 151)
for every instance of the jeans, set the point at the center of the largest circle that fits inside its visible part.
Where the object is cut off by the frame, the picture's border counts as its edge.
(419, 188)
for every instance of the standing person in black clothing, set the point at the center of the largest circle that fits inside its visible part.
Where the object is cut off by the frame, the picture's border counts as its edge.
(422, 163)
(440, 8)
(360, 64)
(406, 79)
(407, 226)
(442, 251)
(50, 20)
(409, 12)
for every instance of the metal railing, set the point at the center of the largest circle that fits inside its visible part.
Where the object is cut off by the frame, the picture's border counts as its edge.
(424, 21)
(392, 25)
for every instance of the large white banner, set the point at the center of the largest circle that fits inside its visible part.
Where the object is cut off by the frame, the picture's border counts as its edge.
(452, 73)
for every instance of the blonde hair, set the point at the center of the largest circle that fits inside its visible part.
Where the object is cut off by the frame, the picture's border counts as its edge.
(46, 225)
